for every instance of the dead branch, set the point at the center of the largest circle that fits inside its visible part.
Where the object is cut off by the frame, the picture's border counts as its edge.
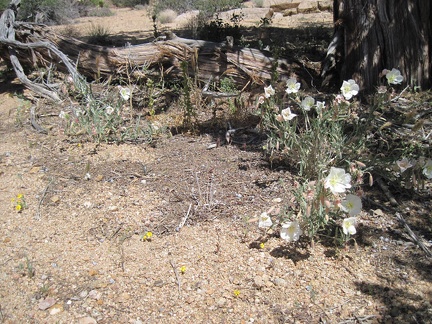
(36, 45)
(417, 240)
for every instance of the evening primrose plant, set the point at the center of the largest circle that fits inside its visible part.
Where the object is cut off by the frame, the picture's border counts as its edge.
(318, 137)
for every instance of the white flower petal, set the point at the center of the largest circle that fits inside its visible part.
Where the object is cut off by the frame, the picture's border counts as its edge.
(264, 221)
(337, 180)
(348, 226)
(291, 231)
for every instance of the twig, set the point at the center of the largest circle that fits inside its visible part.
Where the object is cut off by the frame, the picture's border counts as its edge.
(44, 193)
(413, 236)
(400, 94)
(34, 122)
(183, 221)
(358, 319)
(177, 276)
(387, 192)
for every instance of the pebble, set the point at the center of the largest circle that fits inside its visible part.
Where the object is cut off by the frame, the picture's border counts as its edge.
(87, 320)
(46, 303)
(280, 282)
(94, 294)
(56, 309)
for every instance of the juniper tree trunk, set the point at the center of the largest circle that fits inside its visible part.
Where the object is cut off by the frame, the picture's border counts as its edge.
(385, 34)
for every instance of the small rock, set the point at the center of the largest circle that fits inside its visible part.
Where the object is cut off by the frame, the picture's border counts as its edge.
(159, 283)
(221, 302)
(46, 303)
(87, 320)
(280, 282)
(259, 282)
(94, 294)
(93, 272)
(83, 294)
(87, 204)
(55, 199)
(57, 308)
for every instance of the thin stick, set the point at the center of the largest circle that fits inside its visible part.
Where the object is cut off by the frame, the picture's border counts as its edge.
(413, 236)
(44, 193)
(387, 192)
(183, 221)
(177, 276)
(34, 122)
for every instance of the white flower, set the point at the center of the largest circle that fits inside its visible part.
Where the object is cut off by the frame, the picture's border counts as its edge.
(349, 89)
(264, 221)
(63, 114)
(427, 169)
(291, 231)
(125, 93)
(337, 180)
(351, 204)
(404, 164)
(348, 226)
(287, 114)
(320, 105)
(261, 100)
(268, 91)
(393, 77)
(292, 86)
(308, 103)
(109, 110)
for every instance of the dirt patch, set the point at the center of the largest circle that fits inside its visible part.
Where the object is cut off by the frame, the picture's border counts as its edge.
(76, 253)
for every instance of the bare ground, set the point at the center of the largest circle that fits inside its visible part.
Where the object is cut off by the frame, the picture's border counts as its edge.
(76, 254)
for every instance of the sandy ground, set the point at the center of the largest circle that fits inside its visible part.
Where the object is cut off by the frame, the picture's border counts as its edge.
(76, 253)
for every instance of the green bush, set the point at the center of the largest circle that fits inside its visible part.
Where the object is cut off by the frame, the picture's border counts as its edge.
(48, 11)
(207, 7)
(3, 4)
(130, 3)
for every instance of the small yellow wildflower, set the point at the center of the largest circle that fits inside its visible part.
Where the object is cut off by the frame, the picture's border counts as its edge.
(261, 245)
(147, 236)
(183, 269)
(236, 293)
(18, 208)
(20, 196)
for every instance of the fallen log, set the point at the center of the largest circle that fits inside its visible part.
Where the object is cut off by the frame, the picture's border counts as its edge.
(36, 45)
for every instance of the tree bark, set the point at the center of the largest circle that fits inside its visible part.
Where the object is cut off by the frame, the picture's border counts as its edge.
(385, 34)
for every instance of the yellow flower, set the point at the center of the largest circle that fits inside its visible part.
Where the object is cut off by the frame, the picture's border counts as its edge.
(183, 269)
(147, 236)
(18, 208)
(20, 196)
(236, 292)
(261, 245)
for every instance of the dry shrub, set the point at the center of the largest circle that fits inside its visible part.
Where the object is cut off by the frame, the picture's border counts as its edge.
(167, 16)
(70, 31)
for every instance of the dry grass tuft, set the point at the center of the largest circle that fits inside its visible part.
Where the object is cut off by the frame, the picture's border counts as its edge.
(167, 16)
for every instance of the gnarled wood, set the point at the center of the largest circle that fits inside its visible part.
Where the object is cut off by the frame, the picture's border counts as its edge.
(35, 44)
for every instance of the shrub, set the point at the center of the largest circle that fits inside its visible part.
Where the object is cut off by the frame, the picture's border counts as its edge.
(167, 16)
(99, 35)
(130, 3)
(99, 12)
(3, 4)
(207, 7)
(48, 11)
(258, 3)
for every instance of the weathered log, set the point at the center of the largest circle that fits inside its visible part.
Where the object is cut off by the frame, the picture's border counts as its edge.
(207, 59)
